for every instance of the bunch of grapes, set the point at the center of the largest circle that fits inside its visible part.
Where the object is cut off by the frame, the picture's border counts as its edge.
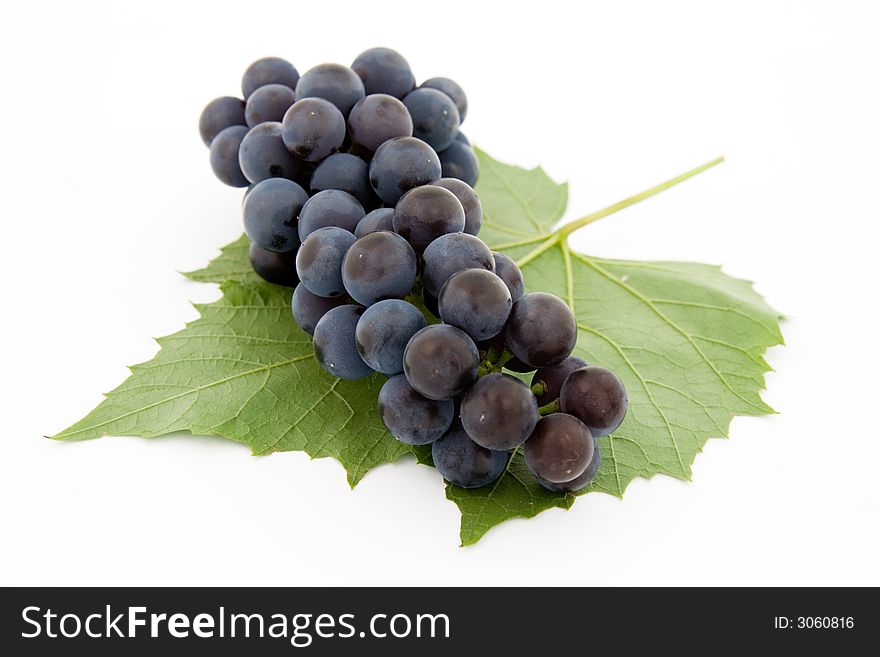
(389, 273)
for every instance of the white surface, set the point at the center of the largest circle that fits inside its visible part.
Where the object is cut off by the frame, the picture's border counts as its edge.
(106, 193)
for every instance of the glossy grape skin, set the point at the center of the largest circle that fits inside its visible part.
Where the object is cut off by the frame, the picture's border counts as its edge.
(452, 89)
(581, 481)
(597, 397)
(425, 213)
(347, 173)
(559, 449)
(509, 272)
(332, 82)
(335, 347)
(375, 221)
(225, 149)
(312, 129)
(410, 417)
(463, 462)
(470, 201)
(263, 155)
(459, 161)
(435, 117)
(218, 115)
(399, 165)
(552, 378)
(308, 308)
(268, 103)
(331, 207)
(542, 330)
(384, 71)
(319, 261)
(376, 119)
(452, 253)
(270, 214)
(499, 412)
(268, 70)
(278, 268)
(477, 302)
(379, 266)
(441, 361)
(383, 332)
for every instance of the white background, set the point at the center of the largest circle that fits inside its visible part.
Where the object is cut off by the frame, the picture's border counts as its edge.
(107, 193)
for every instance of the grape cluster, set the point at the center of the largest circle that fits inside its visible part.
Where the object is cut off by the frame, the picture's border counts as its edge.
(389, 273)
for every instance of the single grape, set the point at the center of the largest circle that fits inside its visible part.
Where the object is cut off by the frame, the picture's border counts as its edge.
(435, 117)
(597, 397)
(268, 103)
(559, 449)
(552, 378)
(379, 266)
(441, 361)
(401, 164)
(542, 330)
(383, 332)
(225, 148)
(268, 70)
(335, 348)
(376, 119)
(452, 89)
(425, 213)
(581, 481)
(384, 71)
(452, 253)
(459, 161)
(509, 272)
(463, 462)
(333, 82)
(312, 129)
(477, 302)
(462, 138)
(348, 173)
(319, 261)
(263, 155)
(473, 211)
(499, 412)
(410, 417)
(381, 219)
(278, 268)
(218, 115)
(270, 214)
(308, 308)
(331, 207)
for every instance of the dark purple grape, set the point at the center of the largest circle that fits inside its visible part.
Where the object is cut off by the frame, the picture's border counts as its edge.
(463, 462)
(597, 397)
(331, 207)
(308, 308)
(459, 161)
(441, 361)
(312, 129)
(347, 173)
(499, 412)
(384, 71)
(268, 70)
(450, 254)
(268, 103)
(319, 261)
(225, 149)
(263, 155)
(559, 449)
(452, 89)
(470, 201)
(401, 164)
(477, 302)
(270, 214)
(579, 482)
(218, 115)
(383, 332)
(434, 115)
(375, 221)
(332, 82)
(542, 330)
(462, 138)
(410, 417)
(552, 378)
(379, 266)
(335, 346)
(425, 213)
(376, 119)
(509, 272)
(278, 268)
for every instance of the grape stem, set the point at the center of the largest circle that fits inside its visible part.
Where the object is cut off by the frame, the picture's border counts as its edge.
(547, 409)
(563, 232)
(539, 388)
